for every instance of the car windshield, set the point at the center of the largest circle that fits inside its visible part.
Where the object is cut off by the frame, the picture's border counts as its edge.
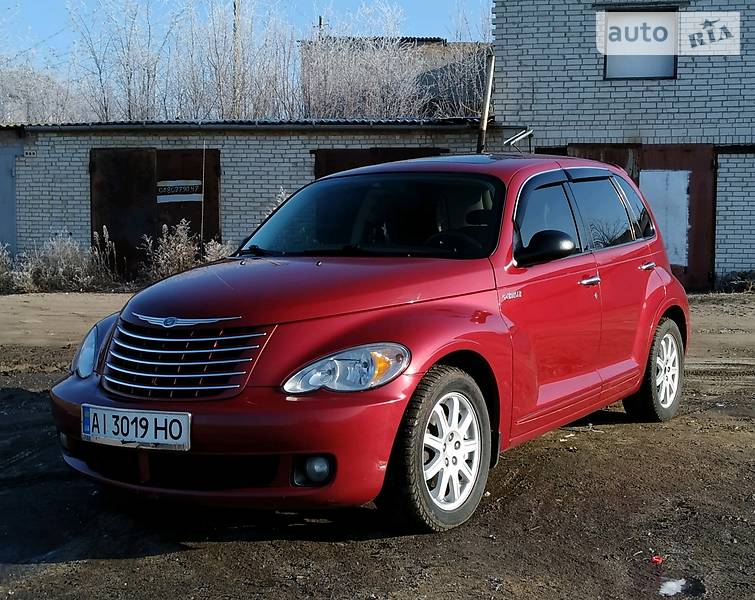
(391, 214)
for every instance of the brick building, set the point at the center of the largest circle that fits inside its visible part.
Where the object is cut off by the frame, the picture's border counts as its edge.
(75, 178)
(684, 128)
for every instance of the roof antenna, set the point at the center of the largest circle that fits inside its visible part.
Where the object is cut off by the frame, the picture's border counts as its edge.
(518, 137)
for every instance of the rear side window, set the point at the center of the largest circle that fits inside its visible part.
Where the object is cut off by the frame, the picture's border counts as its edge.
(603, 212)
(643, 225)
(545, 208)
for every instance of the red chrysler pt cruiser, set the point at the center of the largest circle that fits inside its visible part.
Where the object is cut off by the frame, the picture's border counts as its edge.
(384, 335)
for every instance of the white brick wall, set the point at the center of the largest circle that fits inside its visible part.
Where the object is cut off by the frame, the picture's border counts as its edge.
(735, 208)
(549, 76)
(53, 187)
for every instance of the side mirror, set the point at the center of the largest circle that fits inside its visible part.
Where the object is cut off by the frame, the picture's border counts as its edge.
(545, 246)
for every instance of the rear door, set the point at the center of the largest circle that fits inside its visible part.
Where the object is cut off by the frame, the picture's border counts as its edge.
(555, 316)
(624, 268)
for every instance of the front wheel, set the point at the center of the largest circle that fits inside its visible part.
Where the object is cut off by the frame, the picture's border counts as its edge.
(658, 398)
(441, 457)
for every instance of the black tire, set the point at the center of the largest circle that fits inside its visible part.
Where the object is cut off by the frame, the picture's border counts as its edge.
(646, 405)
(405, 496)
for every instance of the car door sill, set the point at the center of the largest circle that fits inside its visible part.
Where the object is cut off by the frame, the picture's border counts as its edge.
(557, 417)
(585, 397)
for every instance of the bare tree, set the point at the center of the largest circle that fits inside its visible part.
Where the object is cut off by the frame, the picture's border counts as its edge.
(123, 52)
(32, 95)
(230, 66)
(93, 54)
(360, 66)
(456, 76)
(201, 59)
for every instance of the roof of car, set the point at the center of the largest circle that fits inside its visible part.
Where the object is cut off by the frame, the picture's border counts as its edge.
(503, 165)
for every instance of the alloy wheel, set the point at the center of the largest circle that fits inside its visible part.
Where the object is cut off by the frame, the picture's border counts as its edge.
(667, 370)
(451, 451)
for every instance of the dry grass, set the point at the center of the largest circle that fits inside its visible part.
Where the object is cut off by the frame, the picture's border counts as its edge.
(176, 250)
(743, 281)
(7, 284)
(214, 250)
(62, 264)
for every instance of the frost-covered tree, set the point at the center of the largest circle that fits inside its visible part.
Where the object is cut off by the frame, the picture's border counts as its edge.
(225, 59)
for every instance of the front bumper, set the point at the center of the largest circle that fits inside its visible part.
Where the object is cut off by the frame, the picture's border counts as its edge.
(244, 449)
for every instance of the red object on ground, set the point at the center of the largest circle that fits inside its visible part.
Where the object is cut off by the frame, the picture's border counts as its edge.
(656, 560)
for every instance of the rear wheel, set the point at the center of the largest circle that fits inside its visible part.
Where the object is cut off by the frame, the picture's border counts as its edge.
(441, 457)
(658, 398)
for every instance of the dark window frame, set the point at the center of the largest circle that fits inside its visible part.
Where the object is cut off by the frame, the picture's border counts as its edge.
(615, 180)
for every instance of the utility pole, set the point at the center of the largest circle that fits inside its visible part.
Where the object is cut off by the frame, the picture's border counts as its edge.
(236, 59)
(483, 132)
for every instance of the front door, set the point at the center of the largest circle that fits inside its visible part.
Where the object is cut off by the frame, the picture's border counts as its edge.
(554, 314)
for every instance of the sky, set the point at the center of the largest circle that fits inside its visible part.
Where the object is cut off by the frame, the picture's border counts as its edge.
(40, 29)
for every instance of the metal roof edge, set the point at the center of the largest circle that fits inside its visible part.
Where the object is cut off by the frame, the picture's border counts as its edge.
(323, 125)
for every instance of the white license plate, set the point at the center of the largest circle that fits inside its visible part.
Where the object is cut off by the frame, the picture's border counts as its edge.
(136, 428)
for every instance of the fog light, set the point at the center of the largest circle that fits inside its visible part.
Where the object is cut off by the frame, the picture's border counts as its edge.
(63, 440)
(312, 470)
(317, 469)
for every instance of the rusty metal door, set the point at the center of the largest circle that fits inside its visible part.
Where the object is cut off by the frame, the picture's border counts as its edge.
(185, 171)
(334, 160)
(699, 161)
(662, 169)
(126, 197)
(122, 198)
(626, 156)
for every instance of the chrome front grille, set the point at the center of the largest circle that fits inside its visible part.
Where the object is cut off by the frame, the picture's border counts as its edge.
(180, 363)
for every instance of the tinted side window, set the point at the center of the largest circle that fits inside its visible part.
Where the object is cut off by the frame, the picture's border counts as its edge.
(545, 208)
(603, 212)
(643, 225)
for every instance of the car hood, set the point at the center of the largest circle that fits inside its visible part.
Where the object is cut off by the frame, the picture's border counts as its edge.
(279, 290)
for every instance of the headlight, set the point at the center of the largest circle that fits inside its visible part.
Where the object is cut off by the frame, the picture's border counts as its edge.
(83, 362)
(352, 370)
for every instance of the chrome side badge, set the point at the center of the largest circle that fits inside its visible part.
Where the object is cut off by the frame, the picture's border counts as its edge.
(513, 295)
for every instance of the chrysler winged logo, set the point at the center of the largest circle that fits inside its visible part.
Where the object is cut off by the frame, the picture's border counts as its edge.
(168, 322)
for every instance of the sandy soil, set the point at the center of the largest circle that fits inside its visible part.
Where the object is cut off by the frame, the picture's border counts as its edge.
(53, 319)
(577, 513)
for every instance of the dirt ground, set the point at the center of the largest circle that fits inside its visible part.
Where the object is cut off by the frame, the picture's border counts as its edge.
(578, 513)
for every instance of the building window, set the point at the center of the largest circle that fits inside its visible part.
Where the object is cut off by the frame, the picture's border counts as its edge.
(640, 67)
(640, 44)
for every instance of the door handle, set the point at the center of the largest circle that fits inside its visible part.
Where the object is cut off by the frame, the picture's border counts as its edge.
(595, 280)
(648, 266)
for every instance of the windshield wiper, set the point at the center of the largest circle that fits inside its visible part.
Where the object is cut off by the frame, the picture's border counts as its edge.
(254, 250)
